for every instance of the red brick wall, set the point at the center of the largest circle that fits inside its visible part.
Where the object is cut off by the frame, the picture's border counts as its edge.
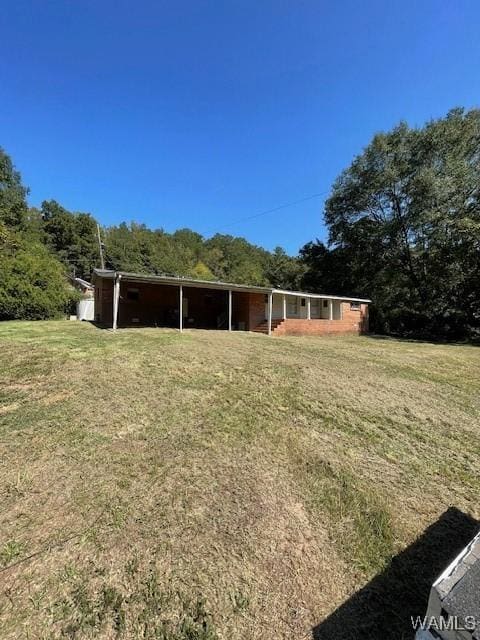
(256, 310)
(240, 308)
(352, 322)
(248, 308)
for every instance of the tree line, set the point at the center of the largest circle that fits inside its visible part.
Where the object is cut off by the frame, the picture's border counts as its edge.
(41, 247)
(403, 222)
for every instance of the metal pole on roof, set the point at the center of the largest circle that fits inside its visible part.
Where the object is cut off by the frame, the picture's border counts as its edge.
(100, 247)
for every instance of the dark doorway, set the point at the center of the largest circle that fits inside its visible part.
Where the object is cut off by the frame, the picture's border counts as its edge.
(205, 308)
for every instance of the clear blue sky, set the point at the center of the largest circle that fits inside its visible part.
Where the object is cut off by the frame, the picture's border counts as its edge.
(196, 114)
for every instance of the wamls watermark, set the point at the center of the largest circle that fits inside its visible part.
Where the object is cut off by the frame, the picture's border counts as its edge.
(444, 623)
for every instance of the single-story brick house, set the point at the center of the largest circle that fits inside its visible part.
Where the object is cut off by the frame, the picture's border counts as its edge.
(132, 299)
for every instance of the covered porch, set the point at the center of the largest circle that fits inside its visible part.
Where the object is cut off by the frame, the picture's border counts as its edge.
(309, 307)
(184, 304)
(128, 299)
(299, 313)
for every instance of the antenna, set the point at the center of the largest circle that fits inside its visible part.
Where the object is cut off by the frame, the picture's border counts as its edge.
(100, 247)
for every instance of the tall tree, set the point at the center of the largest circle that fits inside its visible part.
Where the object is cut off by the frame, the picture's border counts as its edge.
(234, 259)
(72, 236)
(33, 285)
(13, 205)
(136, 248)
(405, 218)
(282, 271)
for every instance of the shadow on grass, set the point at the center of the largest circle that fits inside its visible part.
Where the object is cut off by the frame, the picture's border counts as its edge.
(426, 340)
(169, 327)
(108, 327)
(383, 608)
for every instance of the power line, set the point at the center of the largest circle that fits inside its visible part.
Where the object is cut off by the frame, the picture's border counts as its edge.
(235, 222)
(267, 211)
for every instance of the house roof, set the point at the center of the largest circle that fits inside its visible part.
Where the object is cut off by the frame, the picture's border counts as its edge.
(214, 284)
(457, 587)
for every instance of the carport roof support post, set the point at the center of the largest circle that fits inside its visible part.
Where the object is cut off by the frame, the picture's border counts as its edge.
(270, 305)
(180, 305)
(116, 300)
(229, 309)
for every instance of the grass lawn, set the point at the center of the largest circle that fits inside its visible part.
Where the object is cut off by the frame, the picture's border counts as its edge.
(219, 486)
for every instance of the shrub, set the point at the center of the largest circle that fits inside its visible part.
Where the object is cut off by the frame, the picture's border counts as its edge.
(33, 285)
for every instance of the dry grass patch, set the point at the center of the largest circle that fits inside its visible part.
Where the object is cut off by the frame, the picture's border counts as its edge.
(209, 485)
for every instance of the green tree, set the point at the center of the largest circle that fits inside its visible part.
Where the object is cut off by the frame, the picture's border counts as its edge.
(72, 236)
(13, 205)
(33, 285)
(190, 240)
(201, 272)
(283, 271)
(136, 248)
(234, 259)
(404, 219)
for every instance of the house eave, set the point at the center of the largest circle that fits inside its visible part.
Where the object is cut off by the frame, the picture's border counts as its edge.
(322, 296)
(215, 284)
(175, 281)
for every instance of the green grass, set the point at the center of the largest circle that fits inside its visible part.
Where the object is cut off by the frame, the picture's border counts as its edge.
(205, 485)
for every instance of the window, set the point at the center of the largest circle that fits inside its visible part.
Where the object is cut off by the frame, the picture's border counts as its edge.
(292, 306)
(132, 294)
(325, 304)
(355, 306)
(303, 302)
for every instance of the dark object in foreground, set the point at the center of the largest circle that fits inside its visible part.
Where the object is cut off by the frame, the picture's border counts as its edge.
(385, 606)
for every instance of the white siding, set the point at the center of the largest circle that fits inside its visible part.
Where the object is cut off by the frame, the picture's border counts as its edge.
(85, 309)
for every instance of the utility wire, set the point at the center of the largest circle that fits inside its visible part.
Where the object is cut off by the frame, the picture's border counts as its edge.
(252, 217)
(267, 211)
